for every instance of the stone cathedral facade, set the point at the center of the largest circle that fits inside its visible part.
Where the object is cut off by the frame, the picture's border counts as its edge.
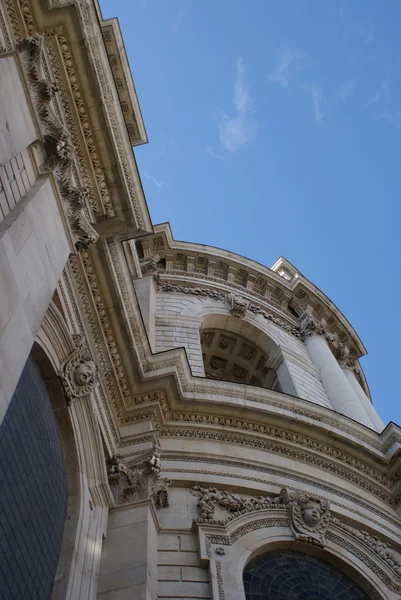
(177, 421)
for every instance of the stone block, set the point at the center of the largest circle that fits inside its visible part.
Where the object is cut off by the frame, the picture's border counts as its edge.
(178, 558)
(194, 574)
(169, 589)
(169, 573)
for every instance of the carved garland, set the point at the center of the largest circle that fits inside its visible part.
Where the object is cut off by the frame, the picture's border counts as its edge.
(272, 471)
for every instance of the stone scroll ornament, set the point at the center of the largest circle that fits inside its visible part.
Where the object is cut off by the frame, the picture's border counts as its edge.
(78, 372)
(140, 481)
(309, 516)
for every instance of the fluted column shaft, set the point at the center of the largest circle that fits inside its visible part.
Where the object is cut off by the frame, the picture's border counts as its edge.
(339, 390)
(364, 400)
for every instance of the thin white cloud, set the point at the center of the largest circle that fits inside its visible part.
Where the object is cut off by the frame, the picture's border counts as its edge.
(240, 129)
(289, 58)
(368, 35)
(383, 99)
(212, 152)
(347, 89)
(180, 17)
(157, 183)
(319, 103)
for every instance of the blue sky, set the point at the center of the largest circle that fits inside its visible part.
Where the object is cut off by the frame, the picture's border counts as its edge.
(275, 129)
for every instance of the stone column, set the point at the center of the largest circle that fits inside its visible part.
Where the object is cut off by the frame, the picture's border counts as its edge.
(339, 390)
(349, 371)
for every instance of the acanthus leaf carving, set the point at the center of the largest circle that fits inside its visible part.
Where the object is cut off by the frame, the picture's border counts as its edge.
(139, 481)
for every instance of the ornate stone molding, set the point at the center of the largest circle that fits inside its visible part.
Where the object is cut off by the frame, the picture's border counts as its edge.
(237, 305)
(78, 372)
(57, 142)
(139, 481)
(382, 549)
(310, 522)
(217, 295)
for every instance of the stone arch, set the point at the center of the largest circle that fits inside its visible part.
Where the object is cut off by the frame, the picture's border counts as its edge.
(262, 364)
(34, 493)
(345, 562)
(89, 495)
(230, 547)
(338, 556)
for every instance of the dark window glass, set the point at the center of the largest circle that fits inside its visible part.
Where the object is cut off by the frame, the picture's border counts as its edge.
(293, 576)
(33, 492)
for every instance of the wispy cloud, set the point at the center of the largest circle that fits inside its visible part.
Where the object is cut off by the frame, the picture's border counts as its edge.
(383, 99)
(368, 35)
(289, 58)
(319, 102)
(238, 130)
(347, 89)
(180, 17)
(383, 95)
(157, 183)
(212, 152)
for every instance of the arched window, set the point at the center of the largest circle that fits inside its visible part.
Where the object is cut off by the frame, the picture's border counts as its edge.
(230, 356)
(287, 575)
(33, 490)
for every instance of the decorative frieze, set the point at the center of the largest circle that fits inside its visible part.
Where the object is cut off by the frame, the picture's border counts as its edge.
(138, 482)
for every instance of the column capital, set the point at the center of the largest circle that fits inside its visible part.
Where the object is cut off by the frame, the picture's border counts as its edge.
(346, 359)
(309, 326)
(78, 372)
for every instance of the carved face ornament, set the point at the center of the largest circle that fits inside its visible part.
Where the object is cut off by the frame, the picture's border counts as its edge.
(312, 513)
(84, 373)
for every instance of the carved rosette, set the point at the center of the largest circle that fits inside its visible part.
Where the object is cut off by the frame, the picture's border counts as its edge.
(237, 305)
(78, 373)
(309, 516)
(57, 142)
(141, 481)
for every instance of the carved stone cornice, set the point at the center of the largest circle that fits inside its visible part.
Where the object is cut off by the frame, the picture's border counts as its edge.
(57, 142)
(78, 372)
(140, 481)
